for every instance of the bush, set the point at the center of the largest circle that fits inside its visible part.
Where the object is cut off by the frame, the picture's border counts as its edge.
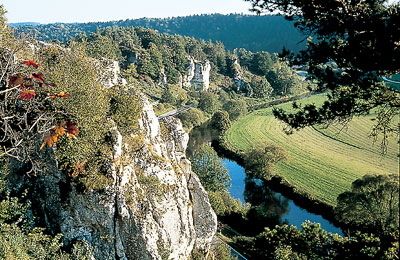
(192, 117)
(220, 121)
(211, 170)
(261, 161)
(209, 102)
(20, 239)
(224, 204)
(235, 108)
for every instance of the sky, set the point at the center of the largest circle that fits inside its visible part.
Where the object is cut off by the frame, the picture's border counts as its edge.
(68, 11)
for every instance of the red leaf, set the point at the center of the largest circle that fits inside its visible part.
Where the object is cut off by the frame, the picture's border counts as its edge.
(15, 80)
(38, 76)
(31, 63)
(71, 129)
(27, 94)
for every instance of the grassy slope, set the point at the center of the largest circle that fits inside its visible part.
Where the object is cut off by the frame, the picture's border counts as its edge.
(322, 162)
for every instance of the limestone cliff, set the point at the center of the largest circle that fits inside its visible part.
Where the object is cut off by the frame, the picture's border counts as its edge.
(198, 76)
(156, 208)
(153, 207)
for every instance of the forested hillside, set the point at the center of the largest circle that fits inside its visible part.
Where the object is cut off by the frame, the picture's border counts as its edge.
(177, 70)
(255, 33)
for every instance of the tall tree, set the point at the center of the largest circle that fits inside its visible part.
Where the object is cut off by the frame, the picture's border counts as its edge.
(261, 160)
(351, 45)
(209, 167)
(372, 204)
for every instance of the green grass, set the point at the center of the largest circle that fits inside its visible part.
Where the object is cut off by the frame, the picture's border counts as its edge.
(323, 162)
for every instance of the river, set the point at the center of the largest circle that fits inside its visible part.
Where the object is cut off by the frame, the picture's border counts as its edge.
(292, 214)
(275, 205)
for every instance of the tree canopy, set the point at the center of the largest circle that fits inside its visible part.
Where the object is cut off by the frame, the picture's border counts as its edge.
(372, 204)
(351, 45)
(209, 167)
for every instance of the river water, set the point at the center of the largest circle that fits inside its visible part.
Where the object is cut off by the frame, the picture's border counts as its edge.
(273, 204)
(291, 213)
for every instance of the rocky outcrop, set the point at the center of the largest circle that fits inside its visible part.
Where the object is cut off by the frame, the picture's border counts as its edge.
(151, 205)
(198, 76)
(155, 207)
(238, 75)
(110, 76)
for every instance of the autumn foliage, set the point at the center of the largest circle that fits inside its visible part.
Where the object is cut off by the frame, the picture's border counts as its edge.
(58, 131)
(26, 87)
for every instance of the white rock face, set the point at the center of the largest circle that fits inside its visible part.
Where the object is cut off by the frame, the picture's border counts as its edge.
(155, 207)
(111, 71)
(198, 76)
(238, 75)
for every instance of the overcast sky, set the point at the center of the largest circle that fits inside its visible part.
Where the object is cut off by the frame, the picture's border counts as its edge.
(50, 11)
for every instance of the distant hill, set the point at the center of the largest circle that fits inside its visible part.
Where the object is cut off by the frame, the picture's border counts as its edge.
(23, 24)
(256, 33)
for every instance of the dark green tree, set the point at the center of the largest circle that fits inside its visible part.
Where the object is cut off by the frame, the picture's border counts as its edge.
(167, 96)
(235, 108)
(261, 161)
(260, 87)
(99, 46)
(211, 170)
(220, 121)
(284, 80)
(261, 63)
(156, 60)
(209, 102)
(312, 242)
(371, 205)
(351, 45)
(192, 117)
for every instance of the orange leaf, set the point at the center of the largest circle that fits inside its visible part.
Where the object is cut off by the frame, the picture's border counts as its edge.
(58, 130)
(49, 139)
(62, 94)
(31, 63)
(27, 94)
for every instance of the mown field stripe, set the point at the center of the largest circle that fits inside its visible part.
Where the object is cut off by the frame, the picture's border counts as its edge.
(322, 162)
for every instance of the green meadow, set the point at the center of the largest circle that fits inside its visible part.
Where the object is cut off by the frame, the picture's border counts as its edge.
(323, 161)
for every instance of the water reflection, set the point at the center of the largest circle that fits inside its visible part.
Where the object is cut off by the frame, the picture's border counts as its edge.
(268, 208)
(199, 136)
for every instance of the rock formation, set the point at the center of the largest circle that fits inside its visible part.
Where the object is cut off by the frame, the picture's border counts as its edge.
(111, 71)
(238, 75)
(154, 208)
(198, 75)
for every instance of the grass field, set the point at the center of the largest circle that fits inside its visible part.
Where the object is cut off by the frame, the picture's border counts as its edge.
(322, 162)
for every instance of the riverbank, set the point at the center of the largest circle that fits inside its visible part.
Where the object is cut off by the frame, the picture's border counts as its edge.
(279, 184)
(322, 161)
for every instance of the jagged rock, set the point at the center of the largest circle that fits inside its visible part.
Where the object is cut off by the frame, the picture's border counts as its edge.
(238, 75)
(111, 71)
(155, 207)
(198, 76)
(163, 78)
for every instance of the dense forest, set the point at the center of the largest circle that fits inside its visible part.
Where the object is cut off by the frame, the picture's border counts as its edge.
(234, 30)
(158, 65)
